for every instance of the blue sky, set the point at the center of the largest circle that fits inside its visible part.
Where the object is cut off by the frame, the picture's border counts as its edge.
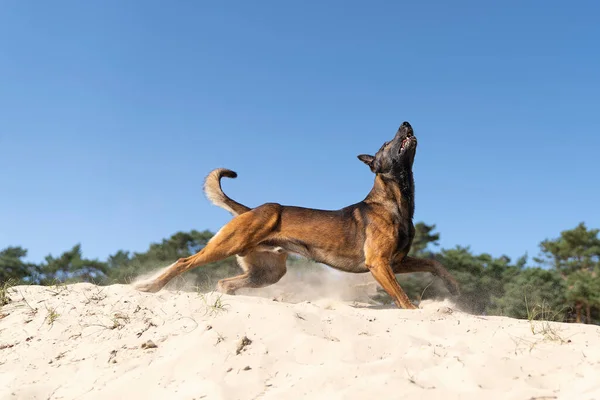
(112, 113)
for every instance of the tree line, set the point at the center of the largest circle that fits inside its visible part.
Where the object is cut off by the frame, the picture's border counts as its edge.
(563, 283)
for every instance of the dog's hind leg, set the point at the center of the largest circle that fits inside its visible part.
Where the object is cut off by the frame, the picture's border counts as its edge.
(238, 236)
(412, 264)
(261, 269)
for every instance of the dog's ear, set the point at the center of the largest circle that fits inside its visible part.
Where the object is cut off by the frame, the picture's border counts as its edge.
(367, 159)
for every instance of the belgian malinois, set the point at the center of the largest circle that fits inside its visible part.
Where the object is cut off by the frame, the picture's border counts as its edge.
(374, 235)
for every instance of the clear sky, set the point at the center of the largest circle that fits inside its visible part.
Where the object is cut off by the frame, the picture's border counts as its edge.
(112, 112)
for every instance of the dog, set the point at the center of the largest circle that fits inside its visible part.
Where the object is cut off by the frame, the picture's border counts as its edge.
(374, 235)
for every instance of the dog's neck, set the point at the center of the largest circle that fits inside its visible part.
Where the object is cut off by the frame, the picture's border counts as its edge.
(398, 186)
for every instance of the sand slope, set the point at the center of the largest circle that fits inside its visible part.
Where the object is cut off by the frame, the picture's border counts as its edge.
(85, 342)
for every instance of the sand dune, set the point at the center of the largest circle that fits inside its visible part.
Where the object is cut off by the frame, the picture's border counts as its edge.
(88, 342)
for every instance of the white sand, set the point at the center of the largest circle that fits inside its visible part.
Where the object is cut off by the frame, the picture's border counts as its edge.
(322, 349)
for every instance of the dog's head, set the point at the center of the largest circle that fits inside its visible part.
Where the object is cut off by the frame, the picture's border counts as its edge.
(395, 155)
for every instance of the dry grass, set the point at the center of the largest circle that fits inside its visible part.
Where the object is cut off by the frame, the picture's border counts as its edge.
(52, 315)
(214, 306)
(542, 320)
(119, 320)
(4, 291)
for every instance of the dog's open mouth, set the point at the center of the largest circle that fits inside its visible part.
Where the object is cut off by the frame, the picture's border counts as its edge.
(405, 142)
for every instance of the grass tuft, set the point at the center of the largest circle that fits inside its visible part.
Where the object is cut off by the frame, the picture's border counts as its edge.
(52, 315)
(4, 291)
(542, 319)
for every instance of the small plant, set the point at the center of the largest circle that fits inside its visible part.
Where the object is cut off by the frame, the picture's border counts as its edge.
(32, 311)
(214, 307)
(119, 320)
(96, 296)
(220, 338)
(57, 288)
(52, 315)
(541, 318)
(4, 289)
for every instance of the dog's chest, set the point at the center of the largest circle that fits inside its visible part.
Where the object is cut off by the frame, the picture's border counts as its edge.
(406, 233)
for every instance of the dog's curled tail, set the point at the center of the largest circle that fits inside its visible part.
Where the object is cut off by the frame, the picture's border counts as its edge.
(214, 192)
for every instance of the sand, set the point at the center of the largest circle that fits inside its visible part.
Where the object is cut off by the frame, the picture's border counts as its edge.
(88, 342)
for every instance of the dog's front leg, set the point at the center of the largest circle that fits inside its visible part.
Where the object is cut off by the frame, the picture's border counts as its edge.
(378, 262)
(383, 275)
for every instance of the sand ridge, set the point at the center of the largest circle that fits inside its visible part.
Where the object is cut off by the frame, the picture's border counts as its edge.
(83, 341)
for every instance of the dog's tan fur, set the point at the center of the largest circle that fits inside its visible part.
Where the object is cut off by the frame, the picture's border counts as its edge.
(374, 235)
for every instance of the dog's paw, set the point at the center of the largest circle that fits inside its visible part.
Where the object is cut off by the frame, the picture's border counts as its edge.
(223, 288)
(147, 286)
